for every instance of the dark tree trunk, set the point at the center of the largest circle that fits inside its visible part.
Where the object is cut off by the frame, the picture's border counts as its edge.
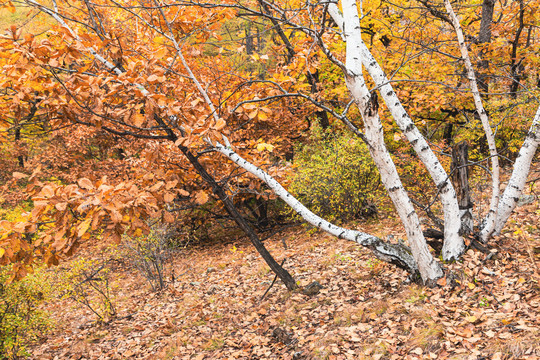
(484, 36)
(249, 41)
(283, 274)
(20, 157)
(279, 31)
(516, 66)
(460, 178)
(322, 116)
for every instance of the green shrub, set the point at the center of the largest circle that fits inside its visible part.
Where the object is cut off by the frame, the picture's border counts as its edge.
(22, 321)
(336, 178)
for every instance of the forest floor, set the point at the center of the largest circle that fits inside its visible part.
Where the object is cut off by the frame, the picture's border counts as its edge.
(212, 309)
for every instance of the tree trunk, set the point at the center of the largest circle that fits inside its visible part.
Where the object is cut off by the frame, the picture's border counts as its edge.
(460, 177)
(484, 36)
(516, 66)
(453, 243)
(283, 274)
(322, 116)
(396, 254)
(517, 181)
(20, 157)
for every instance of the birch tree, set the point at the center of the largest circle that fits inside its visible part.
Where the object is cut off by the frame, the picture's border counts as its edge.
(145, 71)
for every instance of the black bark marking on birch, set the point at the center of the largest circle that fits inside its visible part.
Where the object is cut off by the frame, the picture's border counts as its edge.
(410, 214)
(409, 127)
(424, 148)
(516, 199)
(389, 93)
(515, 186)
(372, 105)
(414, 142)
(394, 188)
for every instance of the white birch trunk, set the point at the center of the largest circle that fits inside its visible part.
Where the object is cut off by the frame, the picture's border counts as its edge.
(489, 221)
(428, 267)
(518, 179)
(453, 243)
(395, 254)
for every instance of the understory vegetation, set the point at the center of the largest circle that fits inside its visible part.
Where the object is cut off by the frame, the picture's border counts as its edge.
(269, 179)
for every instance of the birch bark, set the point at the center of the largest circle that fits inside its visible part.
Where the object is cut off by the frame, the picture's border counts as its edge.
(453, 243)
(396, 254)
(517, 181)
(489, 221)
(367, 103)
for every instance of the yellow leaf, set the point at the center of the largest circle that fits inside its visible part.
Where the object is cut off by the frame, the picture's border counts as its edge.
(265, 146)
(262, 115)
(2, 252)
(471, 286)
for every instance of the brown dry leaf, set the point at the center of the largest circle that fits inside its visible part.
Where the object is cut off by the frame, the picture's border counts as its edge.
(201, 197)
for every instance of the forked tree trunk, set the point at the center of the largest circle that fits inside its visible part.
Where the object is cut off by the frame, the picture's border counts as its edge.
(453, 243)
(429, 269)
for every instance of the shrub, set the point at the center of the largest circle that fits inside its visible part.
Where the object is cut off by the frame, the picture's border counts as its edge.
(88, 282)
(150, 254)
(22, 321)
(336, 178)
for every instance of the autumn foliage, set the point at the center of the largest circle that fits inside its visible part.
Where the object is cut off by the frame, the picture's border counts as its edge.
(101, 113)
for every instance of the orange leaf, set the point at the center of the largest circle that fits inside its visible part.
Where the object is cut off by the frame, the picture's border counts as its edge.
(18, 175)
(201, 197)
(220, 124)
(81, 229)
(169, 197)
(85, 183)
(168, 217)
(183, 192)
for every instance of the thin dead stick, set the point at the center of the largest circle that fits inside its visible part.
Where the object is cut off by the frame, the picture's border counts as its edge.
(272, 284)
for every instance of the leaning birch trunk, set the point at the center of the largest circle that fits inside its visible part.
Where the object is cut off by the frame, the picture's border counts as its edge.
(521, 170)
(396, 254)
(453, 243)
(489, 221)
(367, 103)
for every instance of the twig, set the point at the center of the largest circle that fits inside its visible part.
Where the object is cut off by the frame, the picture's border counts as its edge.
(272, 284)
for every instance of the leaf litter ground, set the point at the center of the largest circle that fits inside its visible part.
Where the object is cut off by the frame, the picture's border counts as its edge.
(365, 310)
